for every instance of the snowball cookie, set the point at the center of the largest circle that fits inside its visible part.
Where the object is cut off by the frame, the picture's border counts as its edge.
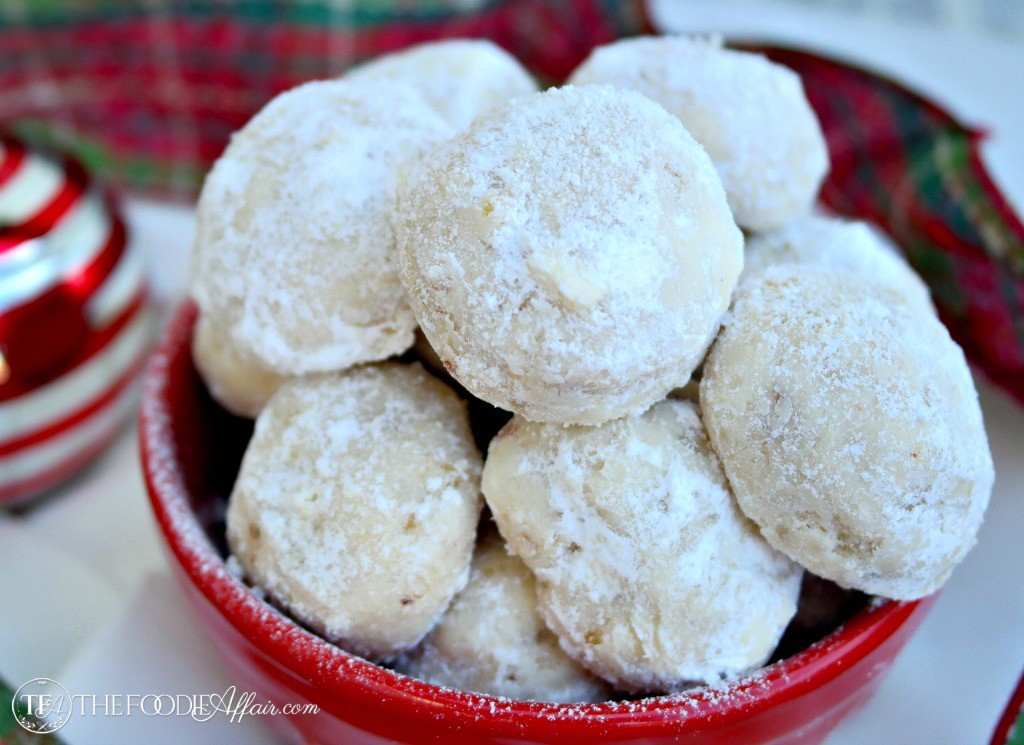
(357, 503)
(846, 246)
(234, 378)
(570, 256)
(647, 571)
(849, 428)
(492, 640)
(751, 115)
(459, 78)
(294, 245)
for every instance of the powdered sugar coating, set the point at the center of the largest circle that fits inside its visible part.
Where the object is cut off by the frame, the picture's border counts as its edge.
(647, 571)
(492, 639)
(177, 496)
(459, 78)
(750, 114)
(850, 247)
(569, 256)
(235, 379)
(294, 245)
(356, 504)
(850, 430)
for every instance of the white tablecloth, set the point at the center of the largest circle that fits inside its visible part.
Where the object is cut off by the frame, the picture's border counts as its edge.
(98, 611)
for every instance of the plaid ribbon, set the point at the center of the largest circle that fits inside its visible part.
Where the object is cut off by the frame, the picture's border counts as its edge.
(147, 93)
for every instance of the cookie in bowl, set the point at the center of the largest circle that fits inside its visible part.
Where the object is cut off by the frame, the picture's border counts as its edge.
(749, 113)
(849, 428)
(356, 504)
(570, 255)
(848, 247)
(646, 568)
(459, 78)
(493, 640)
(236, 379)
(293, 256)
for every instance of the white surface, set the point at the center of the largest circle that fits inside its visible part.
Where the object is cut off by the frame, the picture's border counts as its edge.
(51, 585)
(105, 519)
(153, 647)
(109, 620)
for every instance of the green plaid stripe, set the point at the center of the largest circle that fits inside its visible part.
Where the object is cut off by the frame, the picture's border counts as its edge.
(1017, 731)
(145, 173)
(354, 13)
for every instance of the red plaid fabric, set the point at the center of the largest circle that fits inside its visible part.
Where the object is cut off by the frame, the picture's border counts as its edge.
(147, 94)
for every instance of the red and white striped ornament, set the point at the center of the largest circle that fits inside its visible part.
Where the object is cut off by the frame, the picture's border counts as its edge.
(75, 321)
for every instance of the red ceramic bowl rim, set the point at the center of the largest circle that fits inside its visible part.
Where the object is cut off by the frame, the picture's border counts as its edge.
(335, 673)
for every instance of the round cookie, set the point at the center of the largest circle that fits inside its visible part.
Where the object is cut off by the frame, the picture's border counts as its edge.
(750, 114)
(849, 247)
(235, 379)
(848, 425)
(294, 246)
(569, 257)
(646, 569)
(492, 639)
(459, 78)
(357, 502)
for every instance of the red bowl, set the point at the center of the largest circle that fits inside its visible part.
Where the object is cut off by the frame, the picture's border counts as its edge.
(190, 453)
